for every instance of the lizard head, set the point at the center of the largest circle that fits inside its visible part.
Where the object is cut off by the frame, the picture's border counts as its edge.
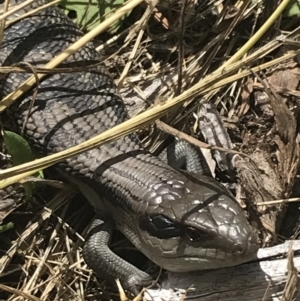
(195, 225)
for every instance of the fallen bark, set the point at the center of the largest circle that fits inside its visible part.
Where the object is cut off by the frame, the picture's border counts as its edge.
(266, 278)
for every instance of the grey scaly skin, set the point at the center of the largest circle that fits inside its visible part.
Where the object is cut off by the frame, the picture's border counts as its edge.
(181, 221)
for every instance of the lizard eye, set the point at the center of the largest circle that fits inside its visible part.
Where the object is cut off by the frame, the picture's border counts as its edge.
(194, 234)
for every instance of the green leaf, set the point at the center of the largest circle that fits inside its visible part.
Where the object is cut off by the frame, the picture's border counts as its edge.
(293, 9)
(20, 152)
(90, 13)
(6, 227)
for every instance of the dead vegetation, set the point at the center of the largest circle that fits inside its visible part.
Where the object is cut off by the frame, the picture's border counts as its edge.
(197, 50)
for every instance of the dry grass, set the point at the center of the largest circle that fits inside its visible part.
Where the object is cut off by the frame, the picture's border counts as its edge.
(215, 51)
